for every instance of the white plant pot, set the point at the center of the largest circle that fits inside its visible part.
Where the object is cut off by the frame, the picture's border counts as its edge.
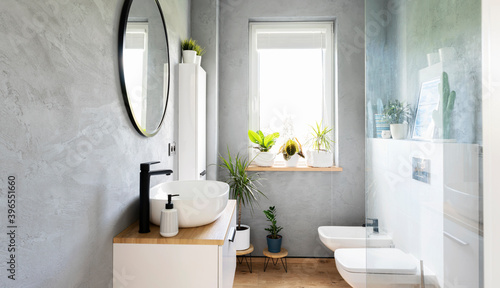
(293, 161)
(316, 158)
(242, 238)
(197, 60)
(399, 131)
(188, 56)
(264, 159)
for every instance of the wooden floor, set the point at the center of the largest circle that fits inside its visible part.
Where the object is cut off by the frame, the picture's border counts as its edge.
(302, 272)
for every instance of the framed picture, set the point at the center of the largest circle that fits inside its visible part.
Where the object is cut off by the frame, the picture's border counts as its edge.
(428, 102)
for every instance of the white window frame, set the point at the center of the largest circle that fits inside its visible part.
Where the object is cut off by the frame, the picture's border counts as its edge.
(142, 28)
(330, 112)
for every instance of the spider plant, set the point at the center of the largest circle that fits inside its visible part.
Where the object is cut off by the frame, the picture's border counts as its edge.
(243, 186)
(321, 137)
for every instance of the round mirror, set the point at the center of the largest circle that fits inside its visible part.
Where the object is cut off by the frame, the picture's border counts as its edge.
(144, 64)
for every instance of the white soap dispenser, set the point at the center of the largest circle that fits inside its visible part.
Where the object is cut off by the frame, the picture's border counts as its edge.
(169, 225)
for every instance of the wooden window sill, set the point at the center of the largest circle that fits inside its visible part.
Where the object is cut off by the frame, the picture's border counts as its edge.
(298, 168)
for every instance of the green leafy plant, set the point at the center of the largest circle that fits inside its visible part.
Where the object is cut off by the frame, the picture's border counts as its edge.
(321, 137)
(291, 147)
(273, 228)
(200, 51)
(265, 142)
(397, 112)
(189, 44)
(243, 186)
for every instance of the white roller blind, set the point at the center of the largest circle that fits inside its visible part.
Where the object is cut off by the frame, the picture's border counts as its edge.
(135, 41)
(136, 36)
(291, 40)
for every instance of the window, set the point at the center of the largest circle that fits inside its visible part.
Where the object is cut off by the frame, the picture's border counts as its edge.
(135, 63)
(291, 78)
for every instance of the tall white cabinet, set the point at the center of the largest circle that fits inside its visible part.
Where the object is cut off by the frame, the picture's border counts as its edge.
(192, 143)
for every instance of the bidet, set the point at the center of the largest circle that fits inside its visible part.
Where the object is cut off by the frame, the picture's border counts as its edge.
(144, 194)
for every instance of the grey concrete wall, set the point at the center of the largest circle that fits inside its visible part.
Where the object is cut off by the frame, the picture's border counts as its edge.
(400, 34)
(66, 136)
(205, 30)
(305, 200)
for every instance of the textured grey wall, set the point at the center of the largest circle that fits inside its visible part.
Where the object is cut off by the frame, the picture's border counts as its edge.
(400, 34)
(67, 138)
(205, 30)
(305, 200)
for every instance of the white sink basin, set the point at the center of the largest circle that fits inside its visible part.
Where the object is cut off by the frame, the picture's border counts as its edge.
(199, 202)
(336, 237)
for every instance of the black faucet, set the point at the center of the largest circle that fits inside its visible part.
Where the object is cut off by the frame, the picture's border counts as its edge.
(144, 194)
(374, 224)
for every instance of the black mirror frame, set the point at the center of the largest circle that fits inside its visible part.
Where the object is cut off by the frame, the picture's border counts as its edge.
(121, 37)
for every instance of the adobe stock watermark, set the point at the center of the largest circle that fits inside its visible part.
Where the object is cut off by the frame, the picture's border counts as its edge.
(11, 227)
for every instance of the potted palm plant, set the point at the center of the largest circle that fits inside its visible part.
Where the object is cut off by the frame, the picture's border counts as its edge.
(188, 50)
(397, 114)
(273, 239)
(321, 154)
(243, 188)
(291, 151)
(265, 143)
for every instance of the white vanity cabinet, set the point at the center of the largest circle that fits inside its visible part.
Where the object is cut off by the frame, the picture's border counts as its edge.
(197, 257)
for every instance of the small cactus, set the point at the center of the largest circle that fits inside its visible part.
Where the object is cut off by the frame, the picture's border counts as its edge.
(447, 104)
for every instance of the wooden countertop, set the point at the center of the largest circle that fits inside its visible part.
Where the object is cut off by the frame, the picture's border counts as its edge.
(210, 234)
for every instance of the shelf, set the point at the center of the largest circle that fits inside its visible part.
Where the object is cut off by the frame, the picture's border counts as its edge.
(298, 168)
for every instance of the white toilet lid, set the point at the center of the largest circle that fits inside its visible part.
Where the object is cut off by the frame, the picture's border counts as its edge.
(380, 261)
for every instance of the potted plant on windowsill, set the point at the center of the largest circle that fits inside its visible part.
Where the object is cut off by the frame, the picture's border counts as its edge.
(291, 151)
(189, 51)
(397, 114)
(321, 155)
(243, 188)
(264, 157)
(273, 239)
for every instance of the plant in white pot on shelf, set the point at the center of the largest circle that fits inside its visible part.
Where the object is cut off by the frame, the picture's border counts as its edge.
(321, 154)
(265, 143)
(243, 188)
(200, 51)
(188, 47)
(397, 114)
(291, 151)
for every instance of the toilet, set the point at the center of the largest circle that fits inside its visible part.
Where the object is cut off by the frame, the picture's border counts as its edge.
(385, 267)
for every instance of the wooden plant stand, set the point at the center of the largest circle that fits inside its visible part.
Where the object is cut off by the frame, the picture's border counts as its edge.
(242, 254)
(276, 256)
